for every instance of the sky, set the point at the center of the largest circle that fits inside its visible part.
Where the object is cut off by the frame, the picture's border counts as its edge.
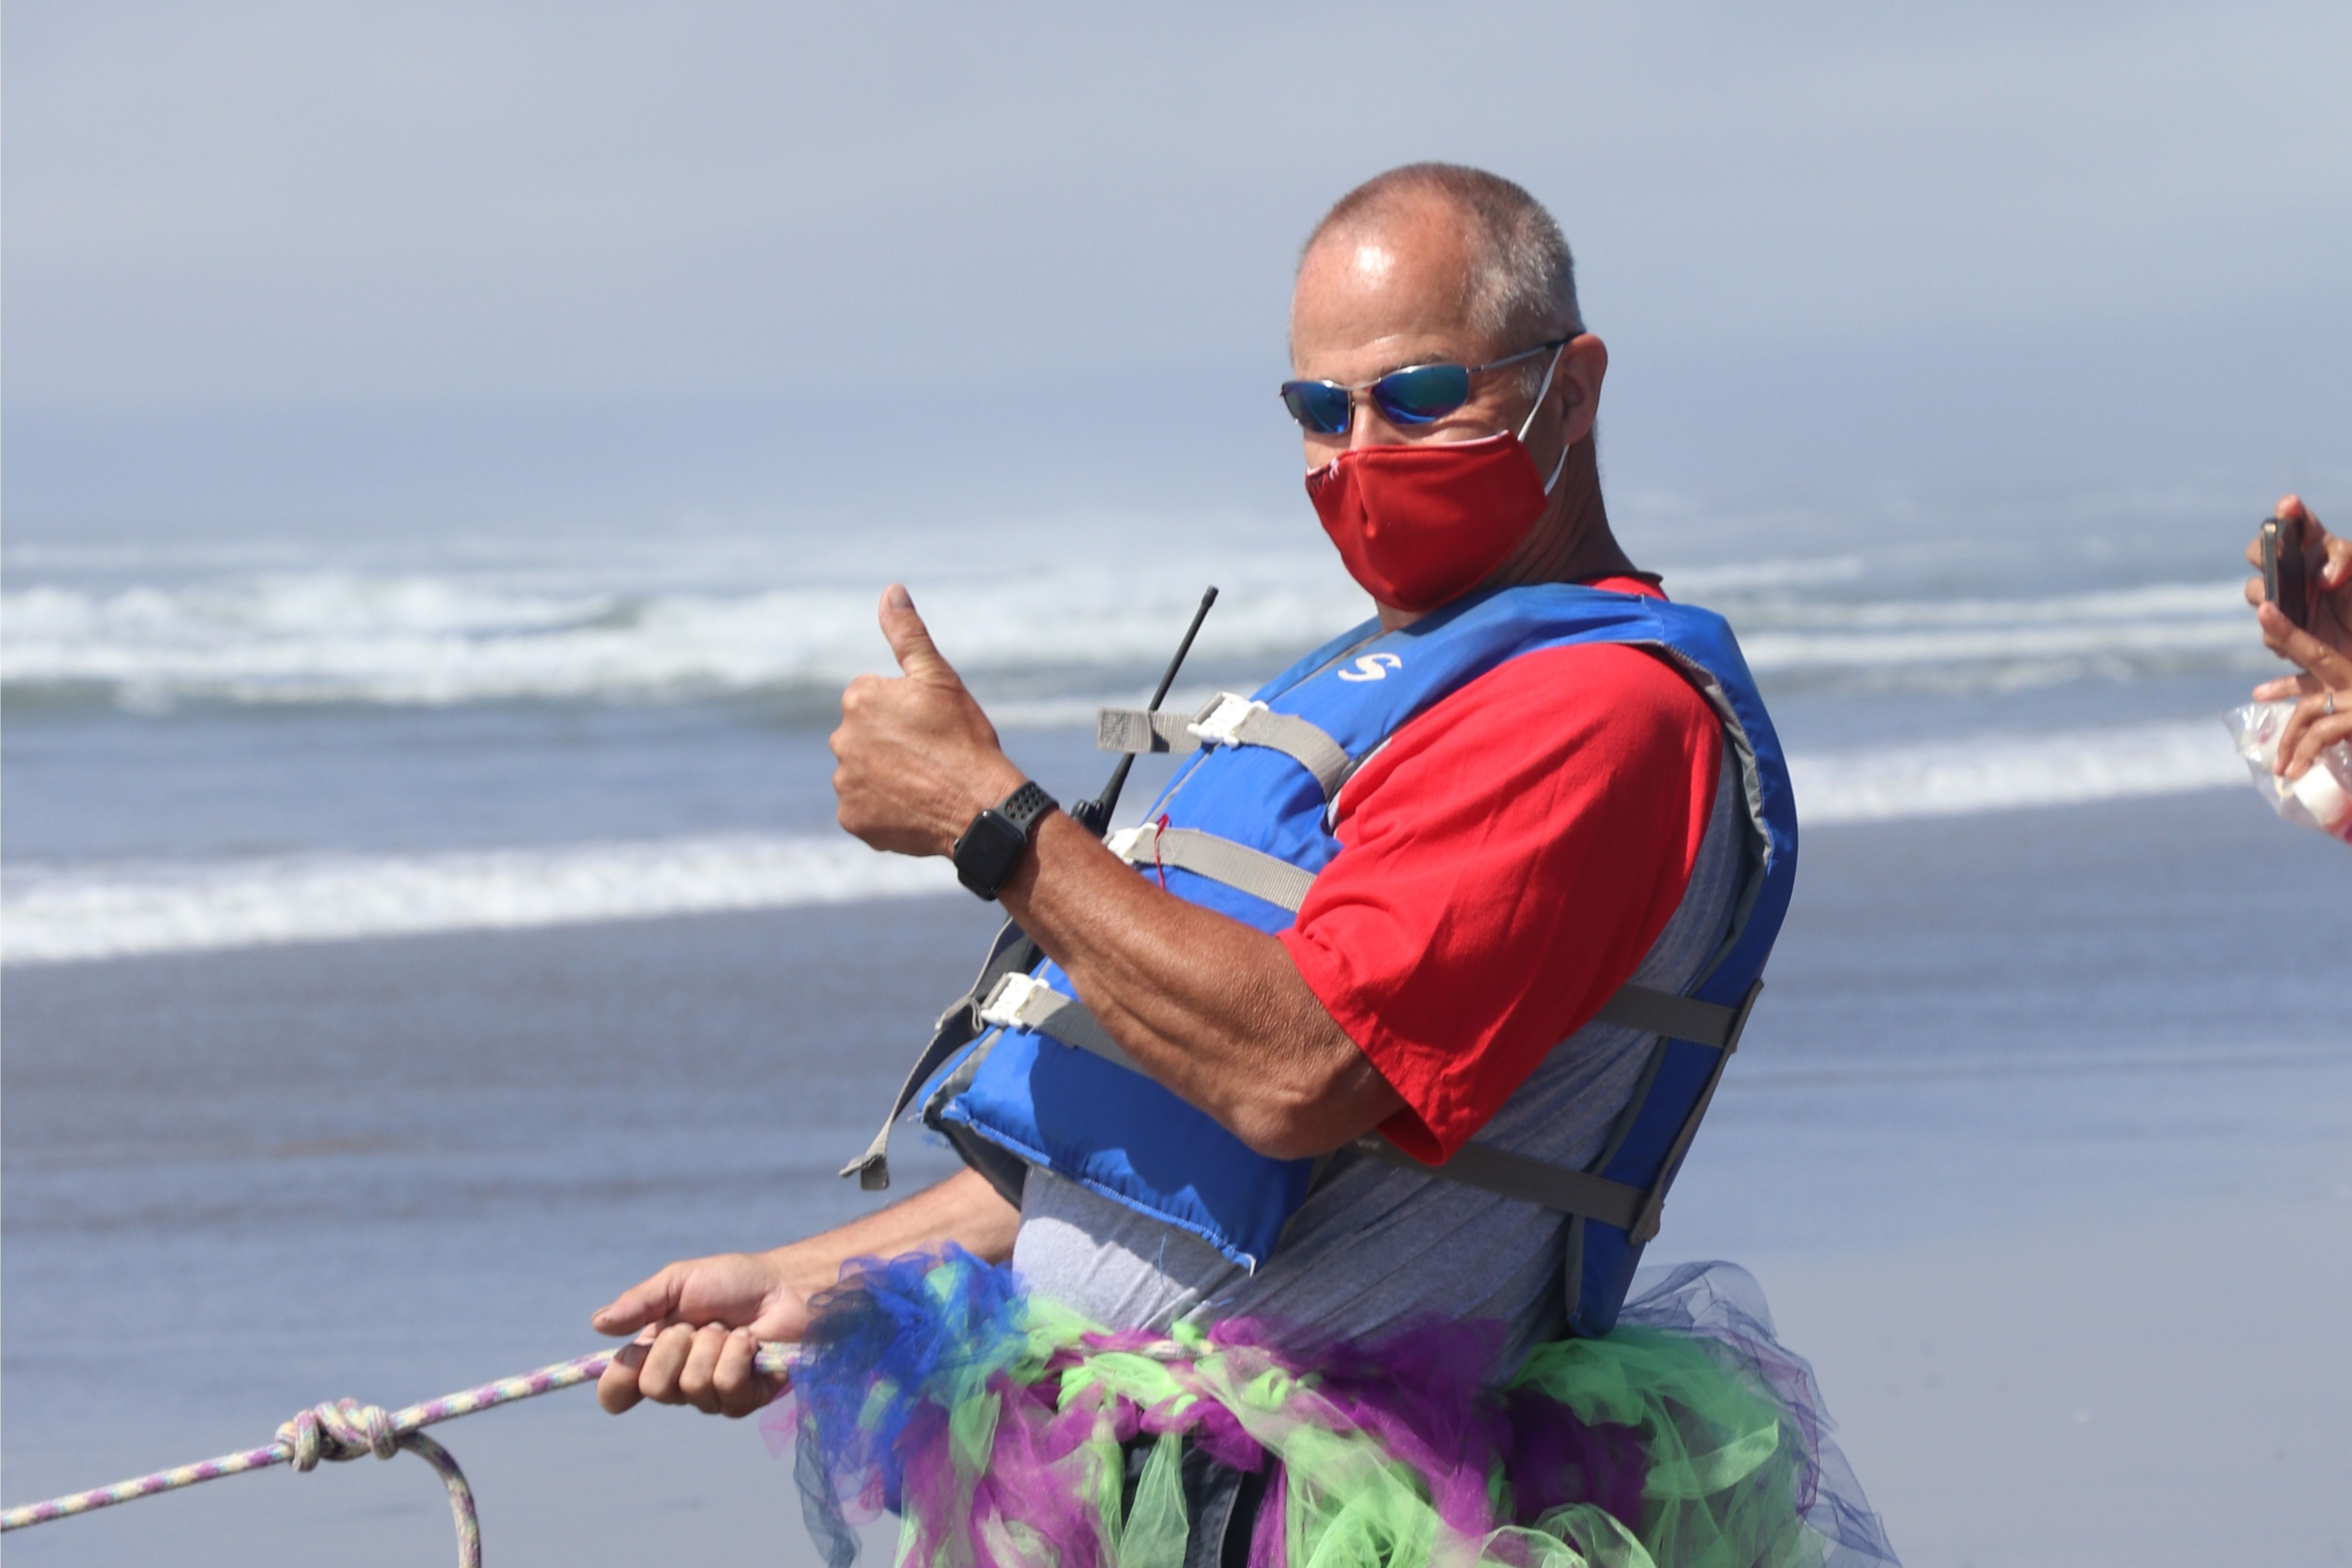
(319, 266)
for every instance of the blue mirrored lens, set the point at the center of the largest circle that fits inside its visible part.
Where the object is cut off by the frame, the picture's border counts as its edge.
(1321, 407)
(1420, 393)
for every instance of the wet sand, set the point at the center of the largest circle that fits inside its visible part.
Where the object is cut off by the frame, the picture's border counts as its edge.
(2042, 1147)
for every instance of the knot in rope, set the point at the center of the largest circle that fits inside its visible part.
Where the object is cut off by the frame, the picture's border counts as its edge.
(347, 1430)
(343, 1430)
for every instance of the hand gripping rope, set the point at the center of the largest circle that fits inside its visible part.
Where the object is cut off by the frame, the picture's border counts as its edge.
(350, 1430)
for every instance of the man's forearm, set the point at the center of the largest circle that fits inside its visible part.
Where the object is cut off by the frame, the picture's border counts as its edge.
(965, 1209)
(1210, 1007)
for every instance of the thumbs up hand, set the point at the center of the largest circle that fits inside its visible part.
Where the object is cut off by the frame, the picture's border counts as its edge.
(917, 759)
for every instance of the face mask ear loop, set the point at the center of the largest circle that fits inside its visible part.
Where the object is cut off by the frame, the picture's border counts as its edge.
(1556, 468)
(1528, 423)
(1541, 392)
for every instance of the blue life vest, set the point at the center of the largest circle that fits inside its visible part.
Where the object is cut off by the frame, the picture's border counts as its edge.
(1045, 1086)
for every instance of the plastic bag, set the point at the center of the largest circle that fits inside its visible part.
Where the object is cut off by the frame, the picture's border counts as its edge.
(2322, 798)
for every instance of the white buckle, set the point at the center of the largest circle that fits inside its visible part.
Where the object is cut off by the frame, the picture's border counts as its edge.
(1132, 844)
(1008, 998)
(1218, 723)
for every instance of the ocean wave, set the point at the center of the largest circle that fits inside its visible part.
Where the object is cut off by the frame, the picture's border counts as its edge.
(58, 913)
(51, 914)
(1999, 772)
(1999, 644)
(1065, 627)
(342, 638)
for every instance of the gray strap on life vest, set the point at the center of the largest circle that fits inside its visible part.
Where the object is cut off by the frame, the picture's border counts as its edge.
(1025, 1002)
(1252, 871)
(1584, 1193)
(957, 1027)
(1284, 885)
(1654, 1207)
(1227, 719)
(1635, 1210)
(1498, 1171)
(1134, 730)
(1677, 1017)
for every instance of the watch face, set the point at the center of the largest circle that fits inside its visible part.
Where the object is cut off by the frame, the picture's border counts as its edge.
(986, 853)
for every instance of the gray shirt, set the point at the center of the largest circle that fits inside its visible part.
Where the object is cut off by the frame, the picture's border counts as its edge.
(1375, 1246)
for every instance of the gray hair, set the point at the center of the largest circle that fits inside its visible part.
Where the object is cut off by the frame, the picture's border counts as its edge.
(1522, 285)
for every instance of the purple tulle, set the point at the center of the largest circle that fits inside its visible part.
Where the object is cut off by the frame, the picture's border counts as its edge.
(1427, 1393)
(1001, 1427)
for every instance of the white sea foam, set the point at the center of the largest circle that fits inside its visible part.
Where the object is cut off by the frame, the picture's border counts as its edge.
(1995, 772)
(339, 637)
(59, 914)
(2007, 641)
(646, 621)
(639, 629)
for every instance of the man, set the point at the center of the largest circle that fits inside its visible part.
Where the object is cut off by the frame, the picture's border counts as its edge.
(1531, 796)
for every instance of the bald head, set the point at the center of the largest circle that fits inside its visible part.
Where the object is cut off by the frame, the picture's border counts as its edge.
(1511, 280)
(1433, 264)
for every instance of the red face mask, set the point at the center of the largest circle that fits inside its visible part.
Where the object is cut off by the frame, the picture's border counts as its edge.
(1421, 524)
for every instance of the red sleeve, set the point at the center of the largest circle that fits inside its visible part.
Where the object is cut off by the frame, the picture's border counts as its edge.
(1505, 862)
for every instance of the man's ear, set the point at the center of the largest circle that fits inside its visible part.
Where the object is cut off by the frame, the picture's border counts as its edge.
(1582, 365)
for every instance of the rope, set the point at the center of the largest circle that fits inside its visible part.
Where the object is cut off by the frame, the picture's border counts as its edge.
(350, 1430)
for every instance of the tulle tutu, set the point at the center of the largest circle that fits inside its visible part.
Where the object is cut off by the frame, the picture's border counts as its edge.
(996, 1425)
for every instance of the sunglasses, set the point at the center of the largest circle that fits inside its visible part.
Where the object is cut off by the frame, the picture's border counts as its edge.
(1417, 394)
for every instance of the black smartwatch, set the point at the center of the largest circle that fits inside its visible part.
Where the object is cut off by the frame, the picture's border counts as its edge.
(992, 847)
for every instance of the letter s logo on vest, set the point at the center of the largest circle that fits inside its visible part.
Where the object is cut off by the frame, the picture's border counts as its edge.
(1372, 667)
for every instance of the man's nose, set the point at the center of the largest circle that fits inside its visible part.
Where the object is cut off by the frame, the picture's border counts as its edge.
(1371, 427)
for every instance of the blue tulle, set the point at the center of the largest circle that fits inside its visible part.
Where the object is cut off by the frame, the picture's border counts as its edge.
(898, 1342)
(933, 1380)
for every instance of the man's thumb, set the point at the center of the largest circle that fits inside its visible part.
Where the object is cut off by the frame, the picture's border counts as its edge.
(910, 640)
(638, 1306)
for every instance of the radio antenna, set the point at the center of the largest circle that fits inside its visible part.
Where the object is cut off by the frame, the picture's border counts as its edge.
(1096, 814)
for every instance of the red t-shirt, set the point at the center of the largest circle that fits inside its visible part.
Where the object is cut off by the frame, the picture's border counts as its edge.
(1505, 862)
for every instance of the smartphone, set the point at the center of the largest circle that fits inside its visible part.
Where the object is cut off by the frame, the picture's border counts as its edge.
(2287, 581)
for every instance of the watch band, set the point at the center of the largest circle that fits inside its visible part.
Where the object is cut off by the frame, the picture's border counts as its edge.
(991, 848)
(1026, 806)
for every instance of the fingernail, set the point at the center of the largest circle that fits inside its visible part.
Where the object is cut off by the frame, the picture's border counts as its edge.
(898, 597)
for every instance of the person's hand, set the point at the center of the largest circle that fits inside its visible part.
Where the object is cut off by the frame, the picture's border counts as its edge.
(918, 758)
(698, 1324)
(2330, 559)
(2323, 648)
(2323, 714)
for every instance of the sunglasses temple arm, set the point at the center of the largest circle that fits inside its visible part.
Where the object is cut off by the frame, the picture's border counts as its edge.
(1095, 815)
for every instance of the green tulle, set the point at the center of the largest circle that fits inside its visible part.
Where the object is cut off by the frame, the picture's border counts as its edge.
(1724, 1470)
(1004, 1429)
(1720, 1491)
